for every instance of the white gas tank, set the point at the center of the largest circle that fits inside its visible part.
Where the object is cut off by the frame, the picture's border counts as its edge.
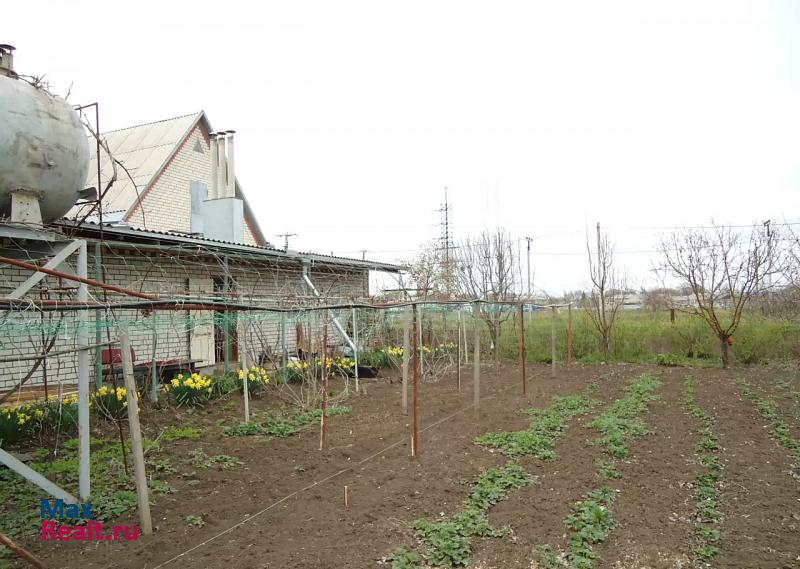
(44, 152)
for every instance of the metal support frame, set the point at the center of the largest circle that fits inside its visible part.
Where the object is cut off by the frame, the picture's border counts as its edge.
(336, 323)
(65, 249)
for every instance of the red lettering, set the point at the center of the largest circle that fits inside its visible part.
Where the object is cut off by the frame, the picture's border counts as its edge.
(79, 533)
(134, 535)
(48, 529)
(117, 529)
(98, 527)
(64, 532)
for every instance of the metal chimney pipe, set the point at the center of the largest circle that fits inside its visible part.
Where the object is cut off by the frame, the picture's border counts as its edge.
(222, 168)
(7, 60)
(212, 195)
(231, 171)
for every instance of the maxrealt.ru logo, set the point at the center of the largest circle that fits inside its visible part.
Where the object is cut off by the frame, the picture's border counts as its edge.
(74, 514)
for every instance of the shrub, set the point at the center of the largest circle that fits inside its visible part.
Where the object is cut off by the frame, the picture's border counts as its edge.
(667, 360)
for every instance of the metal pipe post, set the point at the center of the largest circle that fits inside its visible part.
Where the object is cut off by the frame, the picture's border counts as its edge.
(83, 377)
(415, 365)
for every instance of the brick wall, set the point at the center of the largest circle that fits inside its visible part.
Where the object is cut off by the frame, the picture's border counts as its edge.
(258, 282)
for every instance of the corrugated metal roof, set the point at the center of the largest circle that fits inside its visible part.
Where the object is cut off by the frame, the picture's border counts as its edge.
(110, 230)
(143, 150)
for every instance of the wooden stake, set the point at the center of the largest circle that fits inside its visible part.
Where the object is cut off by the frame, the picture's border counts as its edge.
(246, 394)
(21, 552)
(323, 431)
(415, 362)
(458, 353)
(136, 433)
(406, 358)
(569, 337)
(522, 347)
(346, 499)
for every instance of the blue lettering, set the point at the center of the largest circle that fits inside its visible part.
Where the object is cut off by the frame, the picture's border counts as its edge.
(56, 511)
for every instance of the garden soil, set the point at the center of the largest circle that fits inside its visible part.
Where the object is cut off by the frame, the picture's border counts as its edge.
(283, 507)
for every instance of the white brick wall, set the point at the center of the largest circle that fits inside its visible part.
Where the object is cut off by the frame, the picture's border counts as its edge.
(166, 276)
(167, 205)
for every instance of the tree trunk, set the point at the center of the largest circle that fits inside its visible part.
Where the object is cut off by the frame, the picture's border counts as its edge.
(495, 332)
(724, 352)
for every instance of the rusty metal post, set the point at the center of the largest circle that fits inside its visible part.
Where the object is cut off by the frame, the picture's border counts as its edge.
(415, 397)
(522, 347)
(553, 342)
(323, 435)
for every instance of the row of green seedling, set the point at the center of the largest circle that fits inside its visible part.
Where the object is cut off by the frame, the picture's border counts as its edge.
(778, 427)
(706, 485)
(546, 426)
(590, 519)
(273, 425)
(449, 541)
(590, 522)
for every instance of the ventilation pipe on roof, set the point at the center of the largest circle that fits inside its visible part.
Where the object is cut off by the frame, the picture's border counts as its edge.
(212, 195)
(7, 60)
(231, 172)
(222, 167)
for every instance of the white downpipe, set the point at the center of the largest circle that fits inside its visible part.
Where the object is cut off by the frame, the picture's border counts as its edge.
(335, 320)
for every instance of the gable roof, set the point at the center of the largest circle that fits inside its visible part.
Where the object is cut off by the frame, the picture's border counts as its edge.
(145, 150)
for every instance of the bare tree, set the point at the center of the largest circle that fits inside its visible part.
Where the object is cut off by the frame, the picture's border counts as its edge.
(609, 289)
(486, 268)
(723, 270)
(427, 272)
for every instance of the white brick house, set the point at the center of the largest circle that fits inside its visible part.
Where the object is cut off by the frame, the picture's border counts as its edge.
(155, 239)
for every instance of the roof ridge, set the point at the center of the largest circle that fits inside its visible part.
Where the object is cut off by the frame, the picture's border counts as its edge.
(195, 114)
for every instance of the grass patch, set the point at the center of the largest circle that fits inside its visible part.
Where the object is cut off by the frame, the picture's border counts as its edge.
(199, 459)
(621, 422)
(282, 425)
(546, 426)
(173, 433)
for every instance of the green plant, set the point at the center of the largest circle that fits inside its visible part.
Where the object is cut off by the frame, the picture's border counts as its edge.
(110, 404)
(173, 433)
(196, 521)
(706, 485)
(282, 425)
(257, 380)
(199, 459)
(546, 426)
(778, 428)
(403, 559)
(193, 390)
(667, 360)
(591, 522)
(606, 469)
(449, 541)
(707, 552)
(621, 423)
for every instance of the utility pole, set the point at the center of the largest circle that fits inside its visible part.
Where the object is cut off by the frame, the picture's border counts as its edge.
(286, 239)
(529, 240)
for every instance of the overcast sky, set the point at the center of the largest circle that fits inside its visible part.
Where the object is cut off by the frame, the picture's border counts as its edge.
(542, 117)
